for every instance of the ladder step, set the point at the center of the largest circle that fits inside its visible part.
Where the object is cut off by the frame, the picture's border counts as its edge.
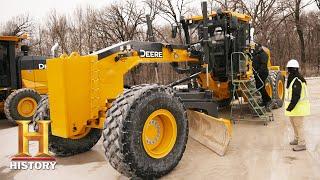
(251, 91)
(240, 81)
(254, 103)
(248, 88)
(260, 108)
(253, 98)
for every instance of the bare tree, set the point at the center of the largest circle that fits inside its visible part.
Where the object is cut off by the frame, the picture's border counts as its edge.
(318, 3)
(173, 10)
(283, 25)
(77, 27)
(153, 8)
(297, 15)
(120, 22)
(294, 8)
(218, 4)
(40, 47)
(18, 25)
(92, 42)
(58, 29)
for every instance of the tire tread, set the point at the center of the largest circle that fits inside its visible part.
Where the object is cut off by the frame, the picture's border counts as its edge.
(114, 127)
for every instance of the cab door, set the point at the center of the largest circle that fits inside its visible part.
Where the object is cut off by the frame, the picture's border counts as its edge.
(4, 65)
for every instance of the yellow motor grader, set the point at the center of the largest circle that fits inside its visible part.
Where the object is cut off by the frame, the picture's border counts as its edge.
(145, 127)
(22, 79)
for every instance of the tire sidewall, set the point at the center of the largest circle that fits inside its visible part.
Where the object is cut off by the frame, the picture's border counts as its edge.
(138, 117)
(13, 105)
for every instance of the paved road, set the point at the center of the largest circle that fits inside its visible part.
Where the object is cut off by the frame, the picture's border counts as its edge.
(255, 152)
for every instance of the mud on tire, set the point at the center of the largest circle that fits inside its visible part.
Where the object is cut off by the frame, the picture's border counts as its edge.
(124, 126)
(12, 101)
(65, 146)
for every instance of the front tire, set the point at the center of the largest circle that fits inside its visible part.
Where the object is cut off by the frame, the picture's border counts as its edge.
(126, 132)
(65, 146)
(21, 104)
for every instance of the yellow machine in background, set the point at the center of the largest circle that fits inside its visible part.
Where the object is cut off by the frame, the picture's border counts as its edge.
(22, 80)
(145, 127)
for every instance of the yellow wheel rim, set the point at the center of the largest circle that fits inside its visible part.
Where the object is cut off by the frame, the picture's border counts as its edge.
(159, 133)
(280, 89)
(27, 107)
(268, 89)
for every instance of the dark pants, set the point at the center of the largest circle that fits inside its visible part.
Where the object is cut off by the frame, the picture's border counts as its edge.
(265, 97)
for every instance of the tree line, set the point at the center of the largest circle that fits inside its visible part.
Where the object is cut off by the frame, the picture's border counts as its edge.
(284, 26)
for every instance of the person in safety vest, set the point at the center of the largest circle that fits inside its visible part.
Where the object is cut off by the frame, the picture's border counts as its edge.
(296, 103)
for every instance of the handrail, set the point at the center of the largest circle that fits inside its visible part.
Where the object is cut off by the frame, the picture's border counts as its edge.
(243, 54)
(259, 80)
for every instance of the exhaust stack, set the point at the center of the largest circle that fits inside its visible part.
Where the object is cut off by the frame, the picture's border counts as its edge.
(53, 49)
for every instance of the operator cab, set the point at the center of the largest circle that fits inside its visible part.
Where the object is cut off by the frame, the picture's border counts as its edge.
(8, 67)
(12, 65)
(228, 32)
(3, 69)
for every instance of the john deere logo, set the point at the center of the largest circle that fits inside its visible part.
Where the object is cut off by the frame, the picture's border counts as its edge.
(24, 160)
(42, 66)
(150, 54)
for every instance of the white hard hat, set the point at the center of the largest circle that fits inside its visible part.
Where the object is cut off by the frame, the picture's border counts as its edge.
(218, 29)
(293, 63)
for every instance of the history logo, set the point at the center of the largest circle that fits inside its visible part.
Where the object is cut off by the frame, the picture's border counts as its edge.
(42, 160)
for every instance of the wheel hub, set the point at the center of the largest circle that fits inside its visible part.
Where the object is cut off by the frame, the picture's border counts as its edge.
(27, 107)
(159, 133)
(153, 133)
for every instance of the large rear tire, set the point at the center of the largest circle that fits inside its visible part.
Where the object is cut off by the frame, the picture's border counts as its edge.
(278, 88)
(65, 146)
(146, 132)
(21, 104)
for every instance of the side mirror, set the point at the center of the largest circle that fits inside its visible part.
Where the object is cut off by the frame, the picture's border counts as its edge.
(174, 31)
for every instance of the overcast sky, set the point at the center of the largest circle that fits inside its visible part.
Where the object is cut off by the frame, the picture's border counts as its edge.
(38, 9)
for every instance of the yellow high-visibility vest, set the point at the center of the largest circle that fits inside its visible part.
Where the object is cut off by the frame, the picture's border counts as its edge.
(303, 106)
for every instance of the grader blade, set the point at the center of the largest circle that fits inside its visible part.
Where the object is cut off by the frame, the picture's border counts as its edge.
(214, 133)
